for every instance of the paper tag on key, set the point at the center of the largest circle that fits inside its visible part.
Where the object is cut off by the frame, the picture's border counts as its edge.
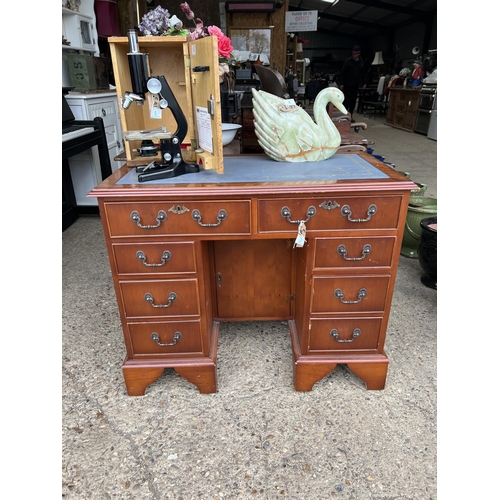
(301, 237)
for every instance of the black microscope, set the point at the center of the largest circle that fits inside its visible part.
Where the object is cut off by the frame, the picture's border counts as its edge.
(172, 164)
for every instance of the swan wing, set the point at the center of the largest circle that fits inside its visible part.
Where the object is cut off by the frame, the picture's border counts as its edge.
(269, 127)
(284, 135)
(269, 141)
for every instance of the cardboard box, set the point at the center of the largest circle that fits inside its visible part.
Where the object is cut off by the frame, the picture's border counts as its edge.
(88, 72)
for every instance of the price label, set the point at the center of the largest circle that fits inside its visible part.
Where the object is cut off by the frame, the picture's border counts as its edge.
(287, 105)
(301, 236)
(156, 113)
(155, 110)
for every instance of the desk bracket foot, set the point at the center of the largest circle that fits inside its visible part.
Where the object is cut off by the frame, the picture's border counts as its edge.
(373, 374)
(309, 369)
(137, 380)
(204, 377)
(139, 375)
(305, 375)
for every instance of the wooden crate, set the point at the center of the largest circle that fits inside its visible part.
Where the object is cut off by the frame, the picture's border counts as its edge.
(173, 58)
(87, 72)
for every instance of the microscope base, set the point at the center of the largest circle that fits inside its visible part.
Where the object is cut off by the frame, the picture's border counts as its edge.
(166, 172)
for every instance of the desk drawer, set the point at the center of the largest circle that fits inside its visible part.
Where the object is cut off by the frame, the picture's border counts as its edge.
(160, 298)
(349, 294)
(180, 337)
(154, 258)
(329, 214)
(178, 218)
(353, 252)
(345, 334)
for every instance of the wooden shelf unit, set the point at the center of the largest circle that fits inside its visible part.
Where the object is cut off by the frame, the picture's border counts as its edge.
(402, 108)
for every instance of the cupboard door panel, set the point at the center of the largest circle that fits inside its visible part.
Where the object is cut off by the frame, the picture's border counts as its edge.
(253, 278)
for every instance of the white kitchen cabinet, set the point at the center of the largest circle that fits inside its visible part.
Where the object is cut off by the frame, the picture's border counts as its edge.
(80, 30)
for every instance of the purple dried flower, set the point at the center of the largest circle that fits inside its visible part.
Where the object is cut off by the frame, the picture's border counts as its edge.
(155, 22)
(187, 10)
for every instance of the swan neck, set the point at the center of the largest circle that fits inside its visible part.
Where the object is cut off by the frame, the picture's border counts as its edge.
(321, 115)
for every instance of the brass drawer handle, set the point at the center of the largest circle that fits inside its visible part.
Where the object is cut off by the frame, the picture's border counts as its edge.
(177, 336)
(346, 210)
(222, 215)
(341, 250)
(340, 295)
(171, 299)
(161, 217)
(165, 256)
(285, 212)
(355, 334)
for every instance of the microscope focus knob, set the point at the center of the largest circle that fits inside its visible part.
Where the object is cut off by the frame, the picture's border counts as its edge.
(154, 85)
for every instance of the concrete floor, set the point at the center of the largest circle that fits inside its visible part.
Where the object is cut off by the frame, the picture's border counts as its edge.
(256, 437)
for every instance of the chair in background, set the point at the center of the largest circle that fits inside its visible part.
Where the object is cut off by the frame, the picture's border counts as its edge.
(272, 81)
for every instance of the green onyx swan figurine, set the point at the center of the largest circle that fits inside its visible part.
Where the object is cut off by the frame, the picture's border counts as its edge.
(286, 132)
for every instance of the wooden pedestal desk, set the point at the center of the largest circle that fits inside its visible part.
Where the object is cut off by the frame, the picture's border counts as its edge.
(189, 252)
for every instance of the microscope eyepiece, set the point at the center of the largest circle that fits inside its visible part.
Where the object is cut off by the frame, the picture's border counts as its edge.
(132, 41)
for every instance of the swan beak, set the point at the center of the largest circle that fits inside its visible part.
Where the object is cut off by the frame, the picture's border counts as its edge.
(342, 109)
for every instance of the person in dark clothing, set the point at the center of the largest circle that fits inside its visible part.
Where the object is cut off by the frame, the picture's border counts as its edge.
(352, 77)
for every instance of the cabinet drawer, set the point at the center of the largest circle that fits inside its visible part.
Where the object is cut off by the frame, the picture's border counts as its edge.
(111, 135)
(353, 252)
(104, 110)
(332, 213)
(349, 294)
(180, 337)
(154, 258)
(178, 218)
(345, 334)
(160, 298)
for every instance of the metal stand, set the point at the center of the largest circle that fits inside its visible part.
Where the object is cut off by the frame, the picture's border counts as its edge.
(172, 165)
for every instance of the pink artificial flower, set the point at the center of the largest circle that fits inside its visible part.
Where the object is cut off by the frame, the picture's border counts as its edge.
(187, 10)
(215, 31)
(199, 31)
(223, 42)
